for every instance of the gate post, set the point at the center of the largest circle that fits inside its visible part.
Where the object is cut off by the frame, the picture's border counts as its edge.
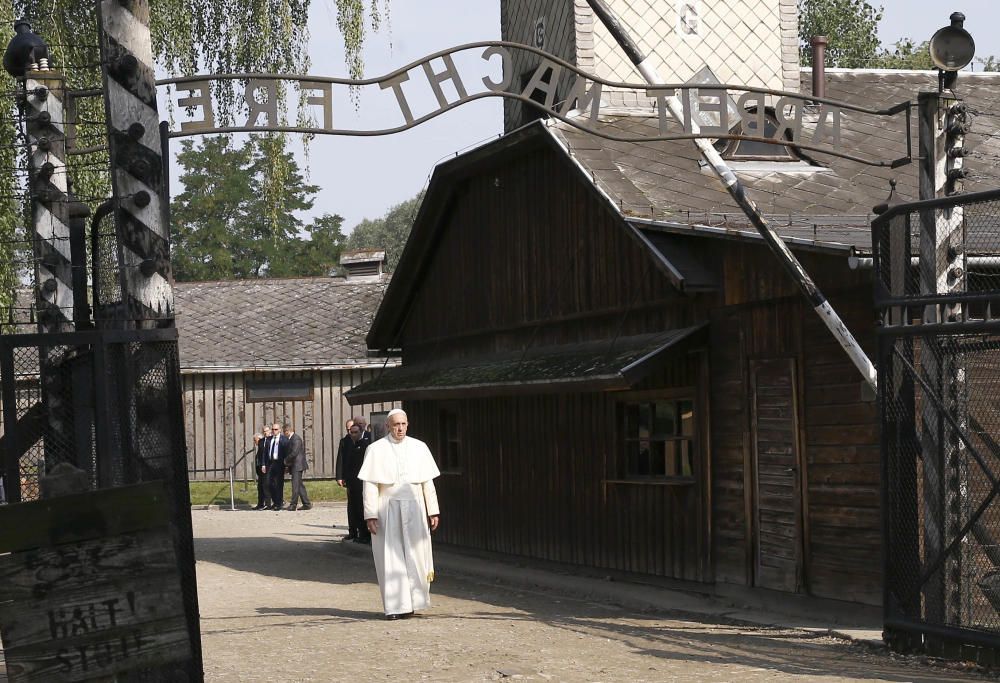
(147, 386)
(137, 170)
(941, 271)
(58, 249)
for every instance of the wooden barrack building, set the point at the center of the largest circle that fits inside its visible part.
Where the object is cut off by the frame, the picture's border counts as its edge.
(629, 380)
(263, 350)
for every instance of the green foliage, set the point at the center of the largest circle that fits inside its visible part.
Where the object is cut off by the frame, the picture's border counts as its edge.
(990, 63)
(851, 27)
(319, 253)
(188, 36)
(389, 232)
(233, 220)
(906, 55)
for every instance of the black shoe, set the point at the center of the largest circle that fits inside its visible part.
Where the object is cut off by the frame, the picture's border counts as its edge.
(393, 617)
(257, 507)
(291, 508)
(363, 541)
(406, 615)
(349, 537)
(307, 507)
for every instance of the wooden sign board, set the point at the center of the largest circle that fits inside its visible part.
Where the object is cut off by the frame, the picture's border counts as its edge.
(89, 586)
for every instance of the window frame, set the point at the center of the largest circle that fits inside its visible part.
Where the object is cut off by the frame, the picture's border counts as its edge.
(449, 451)
(256, 389)
(728, 150)
(677, 397)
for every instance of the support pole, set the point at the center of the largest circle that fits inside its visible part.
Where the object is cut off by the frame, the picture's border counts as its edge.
(44, 92)
(150, 383)
(137, 169)
(738, 193)
(941, 268)
(58, 250)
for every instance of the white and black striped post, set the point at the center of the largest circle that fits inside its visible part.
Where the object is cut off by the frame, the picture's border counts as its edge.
(148, 383)
(137, 170)
(738, 192)
(54, 217)
(942, 270)
(43, 98)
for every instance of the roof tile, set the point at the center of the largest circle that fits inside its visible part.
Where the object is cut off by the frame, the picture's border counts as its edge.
(275, 322)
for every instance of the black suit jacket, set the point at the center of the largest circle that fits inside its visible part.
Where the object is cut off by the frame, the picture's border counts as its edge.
(282, 451)
(350, 456)
(260, 460)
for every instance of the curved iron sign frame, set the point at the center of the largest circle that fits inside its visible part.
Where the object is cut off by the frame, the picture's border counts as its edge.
(829, 112)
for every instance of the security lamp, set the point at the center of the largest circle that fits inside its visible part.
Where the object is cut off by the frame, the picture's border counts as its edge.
(951, 48)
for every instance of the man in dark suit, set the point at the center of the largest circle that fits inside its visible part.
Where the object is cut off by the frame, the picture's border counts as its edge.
(260, 468)
(277, 449)
(296, 462)
(350, 456)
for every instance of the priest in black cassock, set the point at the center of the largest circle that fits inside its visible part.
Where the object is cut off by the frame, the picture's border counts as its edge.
(350, 456)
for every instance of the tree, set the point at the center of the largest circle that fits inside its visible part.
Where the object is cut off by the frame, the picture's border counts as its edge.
(233, 220)
(907, 55)
(389, 232)
(188, 36)
(851, 27)
(319, 254)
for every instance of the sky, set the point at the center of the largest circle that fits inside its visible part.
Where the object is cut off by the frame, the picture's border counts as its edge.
(919, 19)
(362, 177)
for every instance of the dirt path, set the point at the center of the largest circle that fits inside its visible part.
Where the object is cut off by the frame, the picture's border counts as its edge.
(283, 600)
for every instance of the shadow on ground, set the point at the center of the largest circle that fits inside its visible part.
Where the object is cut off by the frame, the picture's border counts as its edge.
(664, 635)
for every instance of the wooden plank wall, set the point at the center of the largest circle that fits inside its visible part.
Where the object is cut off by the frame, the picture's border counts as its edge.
(220, 424)
(538, 259)
(838, 433)
(533, 483)
(541, 261)
(730, 424)
(842, 452)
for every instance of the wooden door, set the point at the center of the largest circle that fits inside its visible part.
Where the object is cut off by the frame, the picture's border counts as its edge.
(777, 507)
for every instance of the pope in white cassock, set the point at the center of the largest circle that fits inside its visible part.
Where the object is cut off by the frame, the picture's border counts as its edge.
(401, 510)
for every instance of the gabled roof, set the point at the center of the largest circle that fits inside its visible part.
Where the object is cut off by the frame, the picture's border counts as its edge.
(665, 182)
(662, 184)
(275, 323)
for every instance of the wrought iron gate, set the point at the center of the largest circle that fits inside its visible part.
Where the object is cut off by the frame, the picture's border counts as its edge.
(937, 292)
(107, 402)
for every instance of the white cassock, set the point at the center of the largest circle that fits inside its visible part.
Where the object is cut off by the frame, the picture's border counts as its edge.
(399, 491)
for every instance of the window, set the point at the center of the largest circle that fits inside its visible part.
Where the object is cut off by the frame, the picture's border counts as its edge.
(450, 442)
(755, 150)
(267, 390)
(659, 439)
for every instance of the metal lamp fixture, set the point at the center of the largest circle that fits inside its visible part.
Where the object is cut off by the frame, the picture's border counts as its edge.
(25, 52)
(951, 48)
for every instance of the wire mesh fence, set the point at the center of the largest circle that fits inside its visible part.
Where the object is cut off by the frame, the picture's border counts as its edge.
(937, 288)
(68, 397)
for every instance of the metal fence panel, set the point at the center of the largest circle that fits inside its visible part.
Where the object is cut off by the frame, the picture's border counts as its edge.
(937, 290)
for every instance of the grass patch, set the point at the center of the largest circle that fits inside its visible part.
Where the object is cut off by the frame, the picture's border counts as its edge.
(217, 492)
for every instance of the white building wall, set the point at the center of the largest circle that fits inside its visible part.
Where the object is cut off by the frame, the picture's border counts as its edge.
(745, 42)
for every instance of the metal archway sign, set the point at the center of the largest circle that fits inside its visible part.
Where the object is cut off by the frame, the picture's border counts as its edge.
(712, 110)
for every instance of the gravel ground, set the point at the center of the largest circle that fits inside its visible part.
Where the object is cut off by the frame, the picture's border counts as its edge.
(282, 599)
